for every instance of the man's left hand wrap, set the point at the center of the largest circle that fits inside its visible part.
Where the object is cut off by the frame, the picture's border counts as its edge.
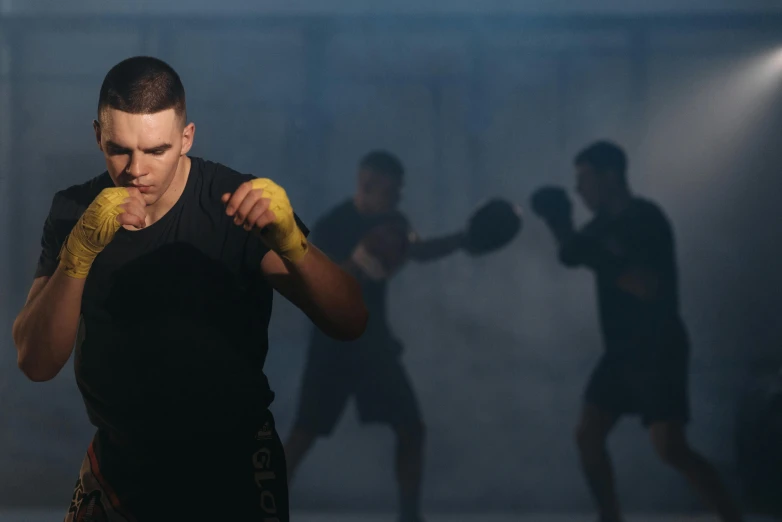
(283, 235)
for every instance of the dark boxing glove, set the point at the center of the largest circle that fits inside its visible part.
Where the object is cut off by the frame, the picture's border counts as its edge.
(552, 205)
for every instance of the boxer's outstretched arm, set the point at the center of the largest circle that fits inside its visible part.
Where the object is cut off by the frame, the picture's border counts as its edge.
(424, 250)
(329, 295)
(45, 330)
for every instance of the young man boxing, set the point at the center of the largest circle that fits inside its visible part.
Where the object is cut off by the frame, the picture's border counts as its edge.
(629, 245)
(165, 266)
(370, 238)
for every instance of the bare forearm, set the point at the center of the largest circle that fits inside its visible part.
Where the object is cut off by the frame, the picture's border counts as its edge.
(328, 294)
(45, 329)
(436, 248)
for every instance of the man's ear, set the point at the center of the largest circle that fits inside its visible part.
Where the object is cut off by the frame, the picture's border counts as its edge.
(96, 128)
(188, 134)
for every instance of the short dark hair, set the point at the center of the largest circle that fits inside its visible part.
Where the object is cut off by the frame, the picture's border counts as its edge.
(142, 85)
(604, 156)
(383, 162)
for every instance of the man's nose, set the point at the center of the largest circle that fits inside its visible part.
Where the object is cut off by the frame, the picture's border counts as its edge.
(136, 167)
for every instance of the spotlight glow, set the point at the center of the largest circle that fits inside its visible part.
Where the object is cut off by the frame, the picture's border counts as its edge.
(776, 59)
(767, 70)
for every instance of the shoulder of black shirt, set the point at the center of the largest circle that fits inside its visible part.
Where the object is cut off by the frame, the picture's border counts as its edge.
(647, 210)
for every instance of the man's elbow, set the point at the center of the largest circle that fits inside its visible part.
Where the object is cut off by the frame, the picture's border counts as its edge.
(355, 317)
(32, 366)
(352, 327)
(360, 323)
(35, 371)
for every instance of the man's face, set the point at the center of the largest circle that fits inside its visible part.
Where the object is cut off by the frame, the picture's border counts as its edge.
(589, 185)
(143, 150)
(377, 193)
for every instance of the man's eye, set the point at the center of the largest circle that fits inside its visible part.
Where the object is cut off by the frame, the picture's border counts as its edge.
(158, 153)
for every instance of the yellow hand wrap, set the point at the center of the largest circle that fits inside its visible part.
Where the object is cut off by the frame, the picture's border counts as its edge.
(283, 235)
(94, 230)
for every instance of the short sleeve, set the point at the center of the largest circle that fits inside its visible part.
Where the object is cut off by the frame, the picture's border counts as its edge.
(302, 226)
(55, 229)
(331, 238)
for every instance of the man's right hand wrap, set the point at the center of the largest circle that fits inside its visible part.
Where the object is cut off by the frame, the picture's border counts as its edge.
(94, 230)
(369, 265)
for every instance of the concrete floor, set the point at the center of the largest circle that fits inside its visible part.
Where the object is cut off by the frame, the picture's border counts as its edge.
(56, 516)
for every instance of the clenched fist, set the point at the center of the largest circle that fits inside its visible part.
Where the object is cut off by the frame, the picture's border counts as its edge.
(552, 204)
(112, 208)
(261, 205)
(384, 249)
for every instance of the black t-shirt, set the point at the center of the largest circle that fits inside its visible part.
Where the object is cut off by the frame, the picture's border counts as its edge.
(639, 238)
(174, 316)
(337, 234)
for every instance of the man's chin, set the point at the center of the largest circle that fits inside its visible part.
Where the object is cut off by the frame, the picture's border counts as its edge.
(384, 211)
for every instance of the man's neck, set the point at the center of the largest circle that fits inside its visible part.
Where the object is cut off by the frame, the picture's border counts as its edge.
(172, 193)
(361, 211)
(618, 204)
